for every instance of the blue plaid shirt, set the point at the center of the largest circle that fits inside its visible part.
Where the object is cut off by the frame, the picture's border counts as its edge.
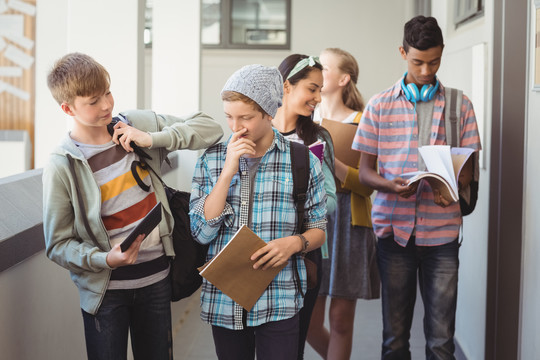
(273, 217)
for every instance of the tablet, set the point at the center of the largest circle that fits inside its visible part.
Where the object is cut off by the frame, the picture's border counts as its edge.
(150, 221)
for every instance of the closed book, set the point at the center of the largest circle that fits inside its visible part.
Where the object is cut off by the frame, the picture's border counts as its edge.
(343, 135)
(231, 270)
(147, 224)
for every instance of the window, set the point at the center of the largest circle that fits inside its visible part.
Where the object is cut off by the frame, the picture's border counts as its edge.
(246, 24)
(466, 10)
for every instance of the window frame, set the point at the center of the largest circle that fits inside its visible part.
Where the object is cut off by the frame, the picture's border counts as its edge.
(226, 31)
(471, 11)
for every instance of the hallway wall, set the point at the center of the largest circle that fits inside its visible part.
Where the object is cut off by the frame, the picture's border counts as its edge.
(530, 310)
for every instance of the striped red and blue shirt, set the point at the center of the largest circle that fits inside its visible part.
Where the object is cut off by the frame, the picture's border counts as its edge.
(389, 130)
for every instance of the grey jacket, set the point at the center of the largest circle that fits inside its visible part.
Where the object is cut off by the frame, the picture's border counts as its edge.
(66, 240)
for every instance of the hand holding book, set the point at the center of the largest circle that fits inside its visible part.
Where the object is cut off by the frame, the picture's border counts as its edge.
(445, 166)
(232, 272)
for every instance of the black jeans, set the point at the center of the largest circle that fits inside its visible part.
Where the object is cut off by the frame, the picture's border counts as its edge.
(145, 312)
(309, 303)
(273, 340)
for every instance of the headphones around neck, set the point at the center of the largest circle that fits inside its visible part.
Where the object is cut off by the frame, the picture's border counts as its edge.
(413, 94)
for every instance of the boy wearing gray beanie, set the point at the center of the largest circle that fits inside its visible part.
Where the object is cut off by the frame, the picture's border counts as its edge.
(247, 180)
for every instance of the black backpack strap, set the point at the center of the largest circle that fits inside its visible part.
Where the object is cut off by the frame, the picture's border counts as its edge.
(135, 174)
(300, 175)
(81, 202)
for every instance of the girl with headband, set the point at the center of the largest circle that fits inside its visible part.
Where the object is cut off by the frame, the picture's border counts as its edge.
(302, 85)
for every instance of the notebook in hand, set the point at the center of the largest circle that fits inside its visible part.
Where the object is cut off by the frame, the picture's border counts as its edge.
(343, 135)
(150, 221)
(231, 270)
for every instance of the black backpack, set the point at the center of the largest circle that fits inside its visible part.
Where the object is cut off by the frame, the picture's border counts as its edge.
(189, 254)
(185, 278)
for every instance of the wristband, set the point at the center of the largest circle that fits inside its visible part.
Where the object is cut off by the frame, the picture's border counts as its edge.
(305, 244)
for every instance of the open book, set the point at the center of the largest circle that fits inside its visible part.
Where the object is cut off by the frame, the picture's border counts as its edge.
(231, 270)
(444, 165)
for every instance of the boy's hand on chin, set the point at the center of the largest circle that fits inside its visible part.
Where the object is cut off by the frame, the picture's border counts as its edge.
(238, 146)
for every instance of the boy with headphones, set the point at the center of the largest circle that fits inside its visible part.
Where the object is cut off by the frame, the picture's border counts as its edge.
(417, 228)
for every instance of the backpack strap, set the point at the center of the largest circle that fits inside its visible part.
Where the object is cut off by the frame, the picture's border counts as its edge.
(300, 175)
(452, 115)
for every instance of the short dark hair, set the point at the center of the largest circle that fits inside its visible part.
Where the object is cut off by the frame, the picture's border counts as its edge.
(422, 33)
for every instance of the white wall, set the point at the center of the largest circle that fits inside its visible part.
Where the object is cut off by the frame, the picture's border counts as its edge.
(530, 314)
(371, 30)
(176, 69)
(175, 56)
(40, 317)
(457, 71)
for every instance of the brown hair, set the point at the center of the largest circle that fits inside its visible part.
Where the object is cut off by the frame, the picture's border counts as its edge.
(347, 64)
(236, 96)
(77, 74)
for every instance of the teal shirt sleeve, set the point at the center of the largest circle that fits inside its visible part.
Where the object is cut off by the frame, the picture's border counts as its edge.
(330, 187)
(329, 181)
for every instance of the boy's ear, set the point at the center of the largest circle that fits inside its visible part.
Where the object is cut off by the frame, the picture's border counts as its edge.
(403, 52)
(67, 109)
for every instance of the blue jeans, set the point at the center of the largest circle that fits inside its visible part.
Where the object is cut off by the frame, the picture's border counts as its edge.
(437, 270)
(272, 340)
(145, 312)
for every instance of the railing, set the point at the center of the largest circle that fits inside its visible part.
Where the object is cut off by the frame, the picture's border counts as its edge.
(21, 226)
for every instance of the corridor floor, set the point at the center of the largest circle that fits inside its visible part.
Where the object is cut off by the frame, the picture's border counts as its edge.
(193, 338)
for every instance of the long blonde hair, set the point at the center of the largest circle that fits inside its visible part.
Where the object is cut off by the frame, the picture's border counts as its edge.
(347, 64)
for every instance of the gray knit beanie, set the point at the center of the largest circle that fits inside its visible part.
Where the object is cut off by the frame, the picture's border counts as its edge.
(262, 84)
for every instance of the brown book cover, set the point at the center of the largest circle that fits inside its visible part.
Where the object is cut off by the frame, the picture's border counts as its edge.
(231, 270)
(343, 136)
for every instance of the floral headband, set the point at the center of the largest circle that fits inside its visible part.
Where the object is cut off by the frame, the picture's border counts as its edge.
(309, 61)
